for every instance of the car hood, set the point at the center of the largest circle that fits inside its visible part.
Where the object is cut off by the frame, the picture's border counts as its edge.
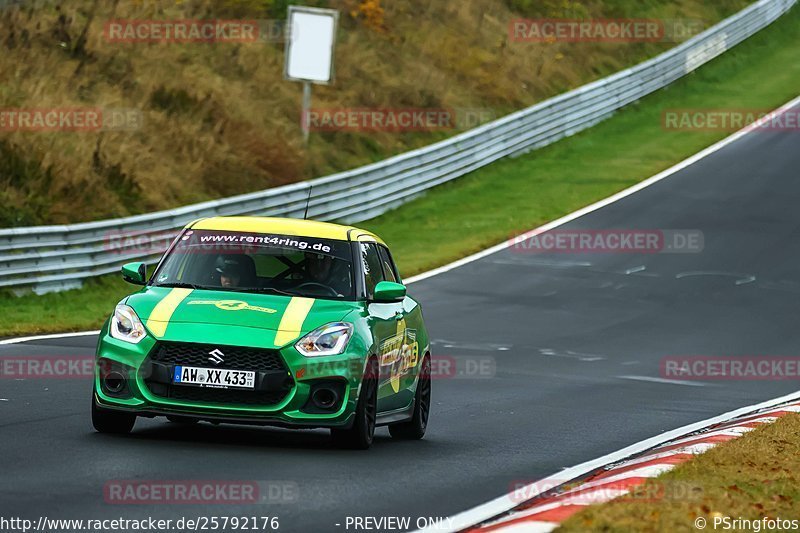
(224, 317)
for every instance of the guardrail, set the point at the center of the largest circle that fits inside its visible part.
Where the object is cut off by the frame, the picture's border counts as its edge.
(48, 258)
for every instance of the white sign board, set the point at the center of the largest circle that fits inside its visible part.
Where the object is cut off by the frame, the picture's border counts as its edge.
(309, 48)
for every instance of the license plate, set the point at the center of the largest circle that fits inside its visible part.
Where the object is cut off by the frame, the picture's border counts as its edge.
(217, 378)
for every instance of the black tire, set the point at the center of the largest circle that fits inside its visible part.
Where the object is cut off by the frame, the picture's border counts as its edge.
(415, 428)
(108, 421)
(185, 420)
(360, 436)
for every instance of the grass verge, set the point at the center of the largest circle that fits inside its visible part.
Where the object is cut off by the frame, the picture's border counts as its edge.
(753, 477)
(515, 195)
(218, 118)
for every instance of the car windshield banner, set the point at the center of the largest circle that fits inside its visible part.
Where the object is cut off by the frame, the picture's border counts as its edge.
(193, 241)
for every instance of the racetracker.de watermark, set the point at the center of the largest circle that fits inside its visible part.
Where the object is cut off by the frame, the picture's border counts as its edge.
(394, 119)
(730, 120)
(611, 241)
(47, 367)
(199, 492)
(742, 368)
(621, 30)
(139, 243)
(55, 119)
(195, 31)
(402, 361)
(601, 491)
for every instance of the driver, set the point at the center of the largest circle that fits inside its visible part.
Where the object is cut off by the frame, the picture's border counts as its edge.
(322, 269)
(230, 270)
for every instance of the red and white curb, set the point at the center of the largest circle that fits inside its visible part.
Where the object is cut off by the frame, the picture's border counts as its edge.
(552, 505)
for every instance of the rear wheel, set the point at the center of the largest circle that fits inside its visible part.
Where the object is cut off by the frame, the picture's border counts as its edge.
(108, 421)
(359, 437)
(415, 428)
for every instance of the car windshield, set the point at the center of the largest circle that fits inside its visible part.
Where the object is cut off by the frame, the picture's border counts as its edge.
(259, 263)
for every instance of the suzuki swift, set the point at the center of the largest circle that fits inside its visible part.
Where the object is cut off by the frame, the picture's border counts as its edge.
(268, 321)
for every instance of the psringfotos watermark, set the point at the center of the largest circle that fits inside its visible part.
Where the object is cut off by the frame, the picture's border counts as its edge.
(200, 492)
(730, 120)
(740, 368)
(609, 241)
(623, 30)
(214, 31)
(394, 119)
(721, 522)
(69, 119)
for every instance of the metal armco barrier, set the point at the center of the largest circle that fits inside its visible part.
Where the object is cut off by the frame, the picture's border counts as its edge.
(47, 258)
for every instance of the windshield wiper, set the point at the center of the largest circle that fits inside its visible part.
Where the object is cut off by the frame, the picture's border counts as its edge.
(269, 289)
(181, 285)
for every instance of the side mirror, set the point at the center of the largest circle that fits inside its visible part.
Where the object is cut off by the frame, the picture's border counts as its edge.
(389, 291)
(135, 273)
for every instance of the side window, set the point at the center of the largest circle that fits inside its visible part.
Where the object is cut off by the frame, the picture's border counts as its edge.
(372, 267)
(389, 270)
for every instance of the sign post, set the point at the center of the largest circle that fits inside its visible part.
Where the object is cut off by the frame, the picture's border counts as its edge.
(309, 51)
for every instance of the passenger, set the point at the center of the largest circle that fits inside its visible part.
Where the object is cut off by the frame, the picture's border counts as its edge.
(324, 270)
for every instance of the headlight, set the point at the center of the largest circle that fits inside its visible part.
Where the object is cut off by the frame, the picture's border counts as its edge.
(330, 339)
(126, 326)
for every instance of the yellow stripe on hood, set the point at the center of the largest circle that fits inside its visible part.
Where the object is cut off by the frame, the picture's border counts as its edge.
(159, 318)
(292, 320)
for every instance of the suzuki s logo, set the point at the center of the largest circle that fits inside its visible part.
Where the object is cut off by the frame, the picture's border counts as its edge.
(217, 357)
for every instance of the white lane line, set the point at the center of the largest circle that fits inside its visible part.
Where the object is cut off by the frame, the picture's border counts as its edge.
(531, 527)
(693, 449)
(634, 270)
(506, 502)
(581, 502)
(583, 495)
(788, 408)
(602, 203)
(648, 471)
(734, 431)
(760, 420)
(18, 340)
(666, 381)
(550, 225)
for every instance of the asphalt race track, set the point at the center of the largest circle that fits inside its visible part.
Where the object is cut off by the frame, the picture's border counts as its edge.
(571, 335)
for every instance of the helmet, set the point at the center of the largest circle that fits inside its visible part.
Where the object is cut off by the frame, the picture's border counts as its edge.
(230, 266)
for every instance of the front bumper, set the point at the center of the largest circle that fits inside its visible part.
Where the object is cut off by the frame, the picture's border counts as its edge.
(144, 394)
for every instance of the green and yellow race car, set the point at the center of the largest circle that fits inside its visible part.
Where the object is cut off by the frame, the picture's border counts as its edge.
(268, 321)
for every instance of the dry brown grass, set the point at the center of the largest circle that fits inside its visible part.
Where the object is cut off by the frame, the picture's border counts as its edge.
(753, 477)
(219, 119)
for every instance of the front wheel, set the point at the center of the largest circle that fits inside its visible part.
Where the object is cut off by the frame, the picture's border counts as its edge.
(108, 421)
(415, 428)
(359, 437)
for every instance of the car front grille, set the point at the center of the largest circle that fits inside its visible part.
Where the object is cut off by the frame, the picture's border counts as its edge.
(234, 357)
(273, 379)
(204, 395)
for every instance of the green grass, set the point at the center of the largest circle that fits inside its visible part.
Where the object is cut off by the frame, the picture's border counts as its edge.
(219, 119)
(752, 477)
(515, 195)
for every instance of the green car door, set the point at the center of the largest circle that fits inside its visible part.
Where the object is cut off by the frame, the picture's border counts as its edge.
(395, 326)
